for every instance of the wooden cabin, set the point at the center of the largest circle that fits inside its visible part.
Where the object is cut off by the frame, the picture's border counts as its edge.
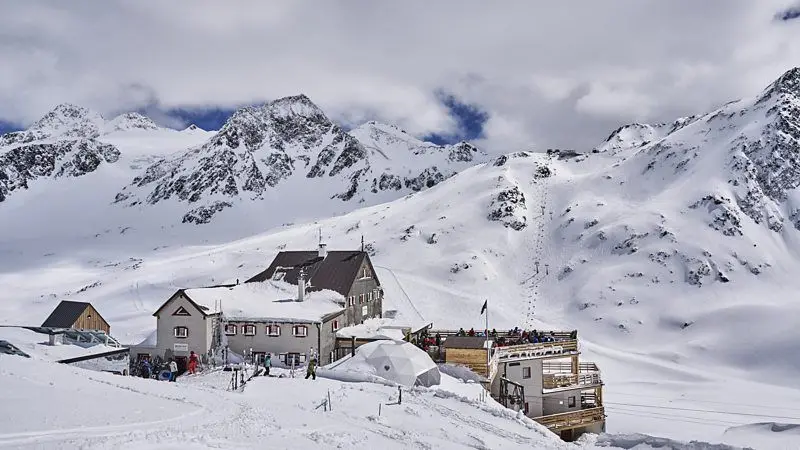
(77, 315)
(469, 351)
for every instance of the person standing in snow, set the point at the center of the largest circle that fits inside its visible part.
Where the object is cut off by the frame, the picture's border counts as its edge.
(311, 371)
(267, 365)
(146, 369)
(193, 360)
(173, 370)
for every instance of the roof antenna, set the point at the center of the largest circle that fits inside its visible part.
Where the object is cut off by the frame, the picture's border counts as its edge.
(320, 235)
(362, 243)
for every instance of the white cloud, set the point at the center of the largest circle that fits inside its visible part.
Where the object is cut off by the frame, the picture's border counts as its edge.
(620, 101)
(553, 74)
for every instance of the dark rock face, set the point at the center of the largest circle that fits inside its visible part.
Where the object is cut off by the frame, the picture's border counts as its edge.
(429, 177)
(509, 209)
(724, 217)
(71, 158)
(463, 152)
(203, 214)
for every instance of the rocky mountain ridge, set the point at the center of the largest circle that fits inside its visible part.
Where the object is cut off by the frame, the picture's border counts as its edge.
(63, 143)
(261, 149)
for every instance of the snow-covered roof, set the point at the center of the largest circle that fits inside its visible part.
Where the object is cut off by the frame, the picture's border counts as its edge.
(36, 345)
(274, 301)
(373, 329)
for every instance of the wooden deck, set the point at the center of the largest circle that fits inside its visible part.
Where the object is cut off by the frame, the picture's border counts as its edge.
(570, 420)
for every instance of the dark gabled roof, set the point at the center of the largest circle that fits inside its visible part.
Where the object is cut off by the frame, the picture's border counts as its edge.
(203, 310)
(66, 313)
(465, 342)
(336, 272)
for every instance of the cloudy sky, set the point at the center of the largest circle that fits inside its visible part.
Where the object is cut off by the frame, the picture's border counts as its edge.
(509, 75)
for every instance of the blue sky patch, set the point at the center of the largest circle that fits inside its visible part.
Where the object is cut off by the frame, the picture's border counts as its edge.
(469, 118)
(788, 14)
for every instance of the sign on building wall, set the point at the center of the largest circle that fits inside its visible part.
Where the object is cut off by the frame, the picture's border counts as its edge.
(180, 347)
(364, 310)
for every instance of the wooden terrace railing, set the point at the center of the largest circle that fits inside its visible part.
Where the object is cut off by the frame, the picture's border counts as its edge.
(565, 421)
(565, 367)
(558, 335)
(561, 380)
(537, 349)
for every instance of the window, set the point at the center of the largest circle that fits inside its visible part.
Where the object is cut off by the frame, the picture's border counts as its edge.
(230, 330)
(365, 273)
(369, 296)
(364, 310)
(278, 275)
(360, 299)
(273, 330)
(526, 372)
(300, 331)
(526, 408)
(181, 332)
(351, 301)
(335, 325)
(291, 359)
(249, 330)
(571, 402)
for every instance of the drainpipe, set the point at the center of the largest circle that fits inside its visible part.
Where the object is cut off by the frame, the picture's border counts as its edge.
(319, 342)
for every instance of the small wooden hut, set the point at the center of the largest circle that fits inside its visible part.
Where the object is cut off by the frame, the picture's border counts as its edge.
(469, 351)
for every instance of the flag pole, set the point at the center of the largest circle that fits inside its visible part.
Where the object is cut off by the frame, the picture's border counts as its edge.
(488, 349)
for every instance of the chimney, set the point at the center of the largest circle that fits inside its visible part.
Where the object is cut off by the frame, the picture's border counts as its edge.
(323, 251)
(301, 286)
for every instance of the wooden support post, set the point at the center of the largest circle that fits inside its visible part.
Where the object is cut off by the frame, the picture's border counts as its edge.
(575, 364)
(352, 346)
(598, 392)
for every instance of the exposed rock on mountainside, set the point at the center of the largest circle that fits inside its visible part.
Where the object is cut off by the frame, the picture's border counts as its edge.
(509, 208)
(61, 144)
(22, 164)
(260, 150)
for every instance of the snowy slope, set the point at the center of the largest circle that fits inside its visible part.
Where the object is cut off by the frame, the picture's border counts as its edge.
(275, 412)
(199, 412)
(673, 253)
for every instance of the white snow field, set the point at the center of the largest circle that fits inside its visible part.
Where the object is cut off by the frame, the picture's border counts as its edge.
(51, 406)
(673, 250)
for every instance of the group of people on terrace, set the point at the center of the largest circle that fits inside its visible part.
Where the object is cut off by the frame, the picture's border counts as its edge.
(514, 336)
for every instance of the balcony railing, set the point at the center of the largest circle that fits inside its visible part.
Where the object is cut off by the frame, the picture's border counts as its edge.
(561, 380)
(564, 421)
(566, 367)
(539, 349)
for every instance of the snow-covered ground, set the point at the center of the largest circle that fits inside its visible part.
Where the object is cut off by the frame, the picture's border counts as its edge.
(673, 250)
(46, 405)
(49, 406)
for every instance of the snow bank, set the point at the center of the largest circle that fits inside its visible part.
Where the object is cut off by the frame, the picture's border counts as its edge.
(644, 442)
(765, 435)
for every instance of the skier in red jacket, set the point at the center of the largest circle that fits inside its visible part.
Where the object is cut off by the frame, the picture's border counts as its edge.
(193, 363)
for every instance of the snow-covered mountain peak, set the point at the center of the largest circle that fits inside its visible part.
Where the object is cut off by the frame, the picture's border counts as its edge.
(787, 84)
(68, 121)
(629, 136)
(130, 121)
(295, 106)
(192, 128)
(379, 135)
